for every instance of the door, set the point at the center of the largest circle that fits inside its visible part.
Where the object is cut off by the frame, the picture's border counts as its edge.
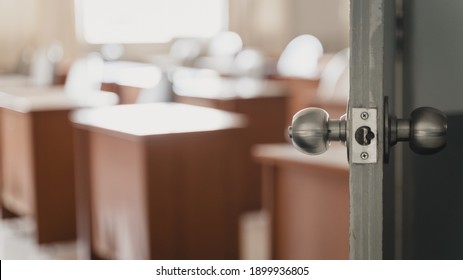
(405, 198)
(410, 52)
(432, 223)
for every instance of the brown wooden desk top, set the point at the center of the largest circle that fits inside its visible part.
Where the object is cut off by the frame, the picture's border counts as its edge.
(334, 159)
(33, 98)
(141, 120)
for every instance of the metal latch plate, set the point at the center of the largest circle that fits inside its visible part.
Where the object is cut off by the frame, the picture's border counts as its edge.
(364, 119)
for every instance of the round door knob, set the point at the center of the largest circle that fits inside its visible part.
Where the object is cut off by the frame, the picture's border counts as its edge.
(311, 130)
(428, 130)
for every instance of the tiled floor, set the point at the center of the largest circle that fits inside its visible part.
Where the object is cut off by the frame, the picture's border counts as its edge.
(17, 243)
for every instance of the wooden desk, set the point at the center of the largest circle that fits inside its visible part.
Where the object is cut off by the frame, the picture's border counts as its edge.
(37, 161)
(302, 93)
(159, 181)
(263, 102)
(308, 201)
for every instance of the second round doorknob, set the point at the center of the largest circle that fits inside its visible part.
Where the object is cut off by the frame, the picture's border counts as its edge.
(426, 130)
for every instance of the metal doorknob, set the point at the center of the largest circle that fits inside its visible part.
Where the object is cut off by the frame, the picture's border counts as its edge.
(312, 130)
(426, 130)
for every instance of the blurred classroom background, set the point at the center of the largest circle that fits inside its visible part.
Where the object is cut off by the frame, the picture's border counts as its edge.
(157, 129)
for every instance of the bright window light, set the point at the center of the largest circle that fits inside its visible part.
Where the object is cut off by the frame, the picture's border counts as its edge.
(148, 21)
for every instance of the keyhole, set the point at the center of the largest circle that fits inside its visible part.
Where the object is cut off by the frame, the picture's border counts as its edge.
(363, 135)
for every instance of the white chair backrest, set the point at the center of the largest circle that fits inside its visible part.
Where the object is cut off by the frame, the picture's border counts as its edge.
(300, 58)
(225, 44)
(85, 76)
(42, 69)
(186, 50)
(250, 63)
(334, 79)
(161, 92)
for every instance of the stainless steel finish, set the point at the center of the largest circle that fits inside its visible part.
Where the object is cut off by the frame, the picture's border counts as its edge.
(426, 130)
(311, 130)
(364, 148)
